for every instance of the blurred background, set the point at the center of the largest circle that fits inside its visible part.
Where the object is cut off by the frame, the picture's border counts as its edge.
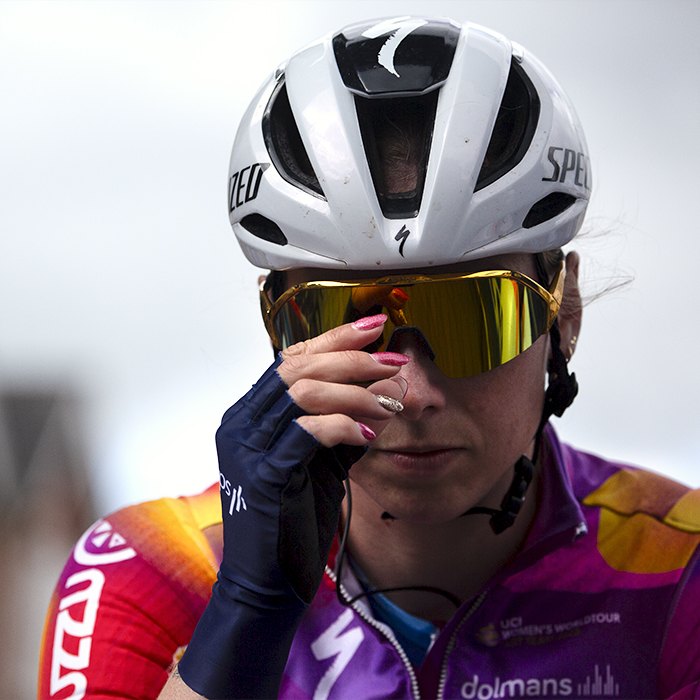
(129, 318)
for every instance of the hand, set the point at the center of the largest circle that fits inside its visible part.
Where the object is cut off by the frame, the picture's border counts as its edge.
(281, 465)
(323, 375)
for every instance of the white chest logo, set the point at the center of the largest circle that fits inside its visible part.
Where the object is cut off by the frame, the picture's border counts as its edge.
(398, 29)
(336, 642)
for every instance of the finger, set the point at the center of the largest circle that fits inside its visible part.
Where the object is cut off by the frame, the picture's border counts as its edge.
(389, 393)
(351, 336)
(325, 398)
(263, 394)
(335, 429)
(342, 366)
(395, 387)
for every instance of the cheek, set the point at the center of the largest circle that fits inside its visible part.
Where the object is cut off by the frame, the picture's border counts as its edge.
(507, 402)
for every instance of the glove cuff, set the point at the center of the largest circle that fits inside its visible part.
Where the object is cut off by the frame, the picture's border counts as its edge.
(240, 646)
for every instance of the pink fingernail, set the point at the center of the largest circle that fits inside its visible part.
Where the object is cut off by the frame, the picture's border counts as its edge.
(367, 432)
(395, 359)
(369, 322)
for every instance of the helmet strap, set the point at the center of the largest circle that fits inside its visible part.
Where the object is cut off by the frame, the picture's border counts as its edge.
(563, 387)
(515, 496)
(561, 391)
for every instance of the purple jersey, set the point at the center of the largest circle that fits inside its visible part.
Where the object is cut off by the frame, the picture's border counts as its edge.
(603, 601)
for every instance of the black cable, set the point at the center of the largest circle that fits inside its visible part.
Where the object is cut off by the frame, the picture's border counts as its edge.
(374, 591)
(343, 541)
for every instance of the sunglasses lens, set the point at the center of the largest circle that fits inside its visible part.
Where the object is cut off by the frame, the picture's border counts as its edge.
(471, 325)
(492, 320)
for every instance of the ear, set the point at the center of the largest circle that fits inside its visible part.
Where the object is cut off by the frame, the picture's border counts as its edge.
(571, 308)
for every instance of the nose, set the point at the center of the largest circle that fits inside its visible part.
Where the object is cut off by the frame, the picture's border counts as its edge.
(425, 381)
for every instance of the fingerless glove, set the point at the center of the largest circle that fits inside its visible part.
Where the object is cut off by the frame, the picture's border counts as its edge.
(281, 494)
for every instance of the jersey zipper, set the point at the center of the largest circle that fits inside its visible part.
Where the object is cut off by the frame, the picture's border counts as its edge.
(373, 623)
(453, 640)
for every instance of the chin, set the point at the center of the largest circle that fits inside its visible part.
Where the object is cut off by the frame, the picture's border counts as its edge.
(426, 517)
(429, 499)
(421, 508)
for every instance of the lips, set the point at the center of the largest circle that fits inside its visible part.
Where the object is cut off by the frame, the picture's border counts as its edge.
(419, 450)
(422, 459)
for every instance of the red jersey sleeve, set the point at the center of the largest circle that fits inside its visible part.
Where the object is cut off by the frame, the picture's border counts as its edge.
(129, 598)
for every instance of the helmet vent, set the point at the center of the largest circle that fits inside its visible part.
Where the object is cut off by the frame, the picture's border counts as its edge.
(264, 228)
(397, 134)
(547, 208)
(513, 129)
(284, 143)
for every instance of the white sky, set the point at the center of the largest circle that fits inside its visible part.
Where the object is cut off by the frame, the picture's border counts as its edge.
(120, 277)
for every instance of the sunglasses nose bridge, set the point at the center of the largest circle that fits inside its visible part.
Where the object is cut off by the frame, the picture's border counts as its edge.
(407, 337)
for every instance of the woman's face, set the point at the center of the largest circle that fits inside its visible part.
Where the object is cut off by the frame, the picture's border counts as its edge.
(455, 443)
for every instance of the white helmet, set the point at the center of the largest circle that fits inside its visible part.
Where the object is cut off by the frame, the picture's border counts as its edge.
(503, 165)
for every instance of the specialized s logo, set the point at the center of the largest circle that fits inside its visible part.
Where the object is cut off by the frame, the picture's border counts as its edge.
(342, 645)
(398, 28)
(402, 235)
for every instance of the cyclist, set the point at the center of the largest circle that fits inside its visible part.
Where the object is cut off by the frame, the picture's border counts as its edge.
(410, 184)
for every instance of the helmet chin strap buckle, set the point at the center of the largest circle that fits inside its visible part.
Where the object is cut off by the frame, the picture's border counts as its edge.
(515, 496)
(513, 501)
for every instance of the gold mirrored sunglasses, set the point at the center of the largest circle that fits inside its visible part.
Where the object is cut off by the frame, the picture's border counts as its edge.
(470, 322)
